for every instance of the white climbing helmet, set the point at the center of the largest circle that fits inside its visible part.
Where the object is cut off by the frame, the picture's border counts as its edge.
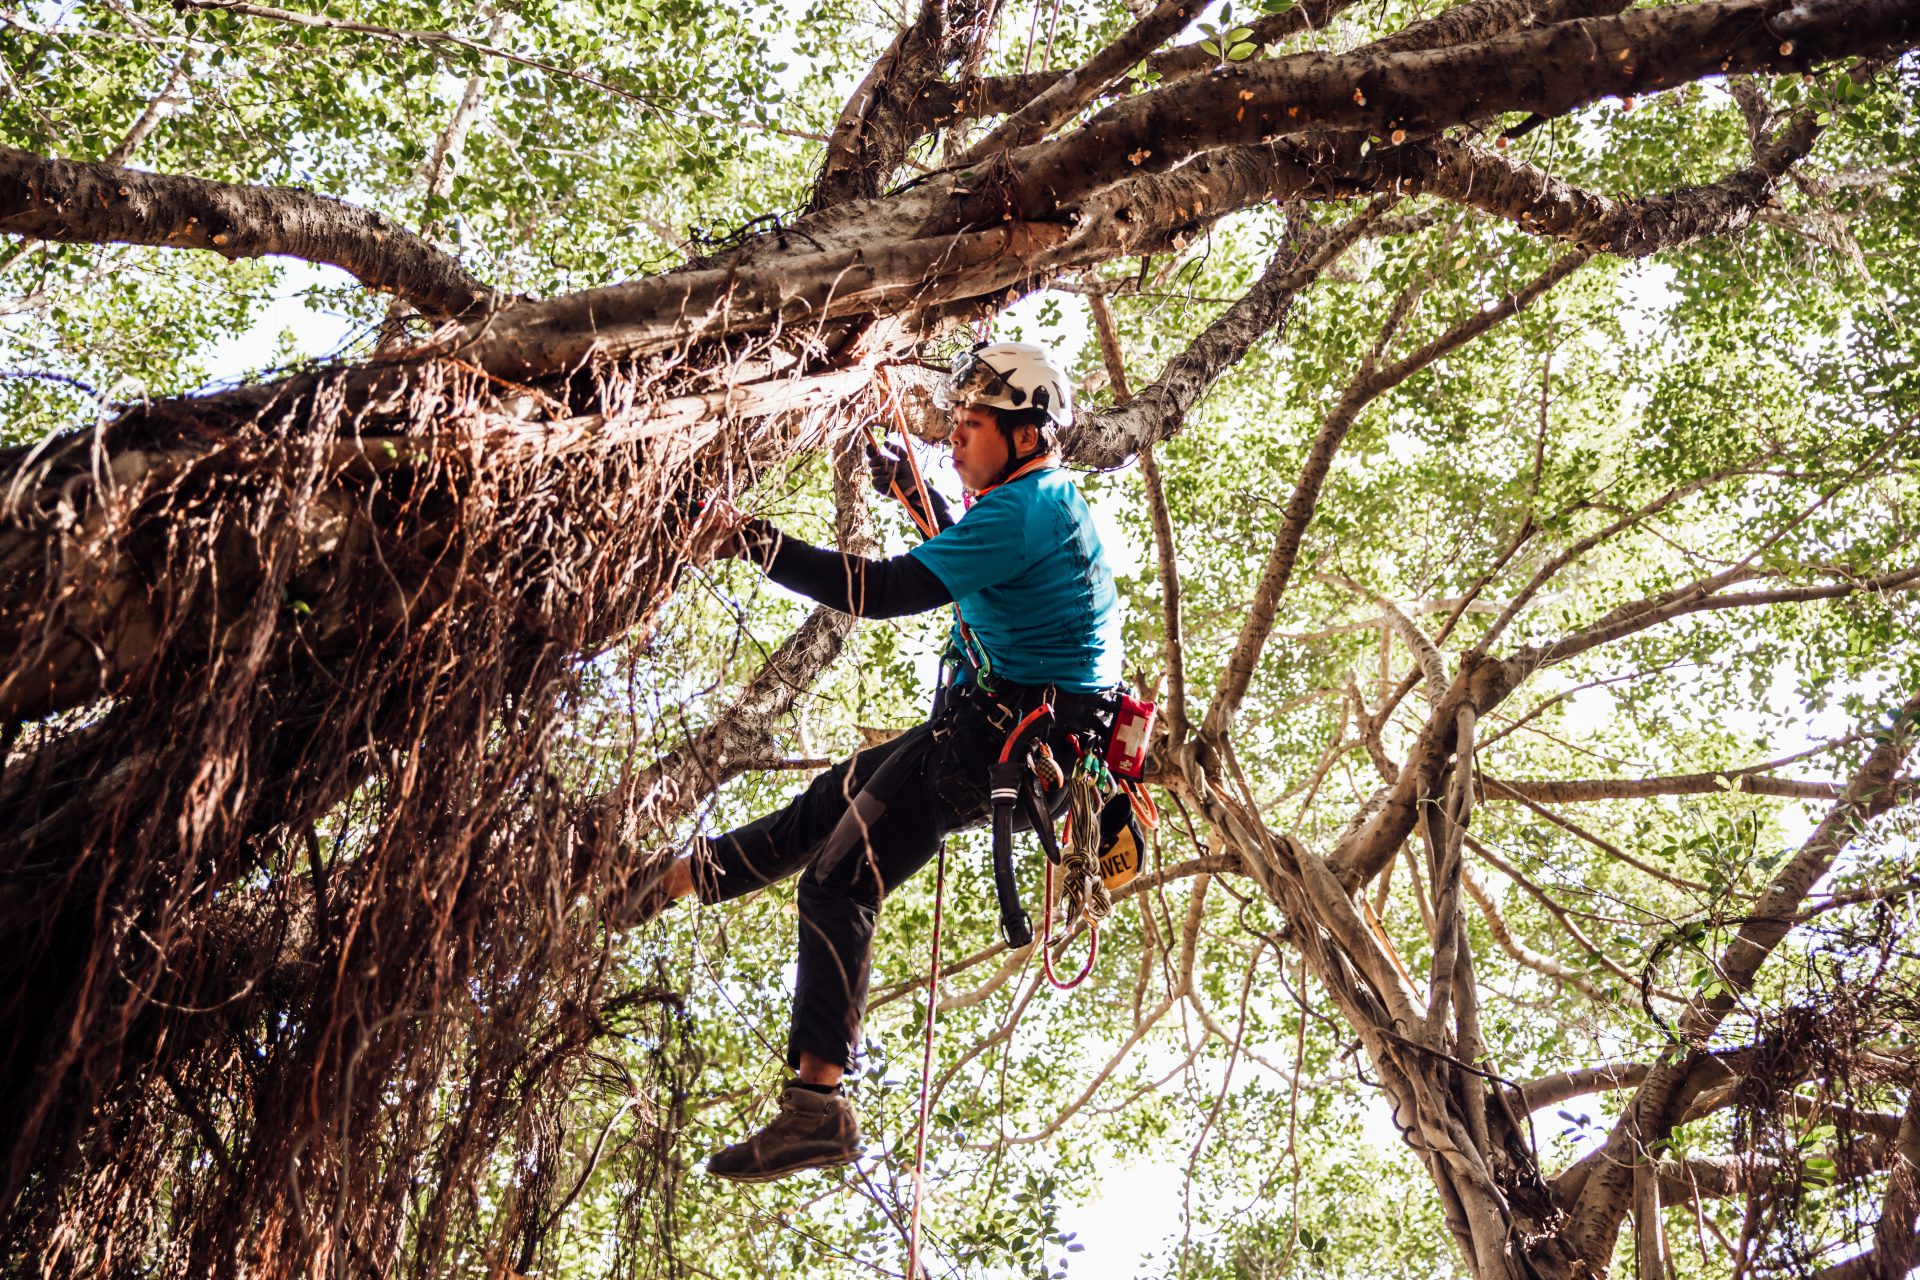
(1009, 375)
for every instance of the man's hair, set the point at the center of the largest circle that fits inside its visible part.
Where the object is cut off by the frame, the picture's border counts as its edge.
(1011, 420)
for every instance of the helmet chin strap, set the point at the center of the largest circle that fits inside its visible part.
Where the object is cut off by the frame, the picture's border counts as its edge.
(1016, 465)
(1018, 461)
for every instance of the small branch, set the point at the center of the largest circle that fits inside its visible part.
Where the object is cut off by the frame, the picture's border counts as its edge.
(1565, 919)
(1503, 935)
(1605, 846)
(1701, 598)
(1105, 440)
(1166, 557)
(129, 143)
(1002, 94)
(1370, 385)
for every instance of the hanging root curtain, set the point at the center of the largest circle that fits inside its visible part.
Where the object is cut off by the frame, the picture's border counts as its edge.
(298, 920)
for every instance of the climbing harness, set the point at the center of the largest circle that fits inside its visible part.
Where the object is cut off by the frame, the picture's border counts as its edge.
(1103, 844)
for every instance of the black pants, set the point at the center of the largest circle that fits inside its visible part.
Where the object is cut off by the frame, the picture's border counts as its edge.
(864, 826)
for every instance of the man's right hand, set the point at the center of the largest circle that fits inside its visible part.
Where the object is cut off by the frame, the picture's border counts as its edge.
(738, 534)
(892, 476)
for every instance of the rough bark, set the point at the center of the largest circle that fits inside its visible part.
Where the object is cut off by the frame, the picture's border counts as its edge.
(884, 116)
(76, 202)
(1106, 440)
(1546, 205)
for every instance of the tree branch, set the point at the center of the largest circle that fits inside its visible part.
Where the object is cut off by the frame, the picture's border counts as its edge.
(1545, 205)
(884, 115)
(1742, 781)
(1702, 597)
(1565, 65)
(1105, 440)
(1371, 384)
(75, 202)
(1082, 85)
(1503, 936)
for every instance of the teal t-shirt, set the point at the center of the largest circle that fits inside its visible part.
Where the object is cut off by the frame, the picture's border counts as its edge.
(1029, 577)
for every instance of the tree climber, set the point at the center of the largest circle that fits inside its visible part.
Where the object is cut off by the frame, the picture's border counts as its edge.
(1036, 622)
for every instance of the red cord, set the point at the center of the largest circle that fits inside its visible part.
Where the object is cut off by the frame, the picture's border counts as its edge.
(926, 1069)
(1046, 942)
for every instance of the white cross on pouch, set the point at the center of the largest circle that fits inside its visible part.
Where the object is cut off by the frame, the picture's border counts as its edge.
(1131, 734)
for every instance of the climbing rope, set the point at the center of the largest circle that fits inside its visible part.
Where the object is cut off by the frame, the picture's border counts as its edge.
(1083, 891)
(921, 512)
(926, 1068)
(1082, 886)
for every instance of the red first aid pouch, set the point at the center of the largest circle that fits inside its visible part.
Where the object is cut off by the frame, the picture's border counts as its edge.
(1132, 731)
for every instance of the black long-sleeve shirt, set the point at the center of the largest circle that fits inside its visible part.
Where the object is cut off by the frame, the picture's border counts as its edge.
(866, 588)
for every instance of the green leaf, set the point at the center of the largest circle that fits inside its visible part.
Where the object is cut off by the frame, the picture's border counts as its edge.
(1241, 52)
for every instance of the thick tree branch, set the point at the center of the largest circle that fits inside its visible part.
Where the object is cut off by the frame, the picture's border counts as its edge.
(1104, 440)
(79, 203)
(1564, 1086)
(1545, 205)
(903, 252)
(1743, 781)
(1462, 24)
(1085, 83)
(1723, 1177)
(1548, 71)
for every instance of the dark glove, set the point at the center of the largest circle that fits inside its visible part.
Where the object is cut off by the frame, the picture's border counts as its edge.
(889, 469)
(893, 477)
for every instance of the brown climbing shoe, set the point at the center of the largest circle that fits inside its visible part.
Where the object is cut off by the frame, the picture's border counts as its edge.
(812, 1131)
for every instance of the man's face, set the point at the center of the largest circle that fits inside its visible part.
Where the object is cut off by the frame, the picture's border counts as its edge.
(979, 448)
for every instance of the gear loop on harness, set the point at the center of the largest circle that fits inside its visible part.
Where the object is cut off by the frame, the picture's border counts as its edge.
(1010, 783)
